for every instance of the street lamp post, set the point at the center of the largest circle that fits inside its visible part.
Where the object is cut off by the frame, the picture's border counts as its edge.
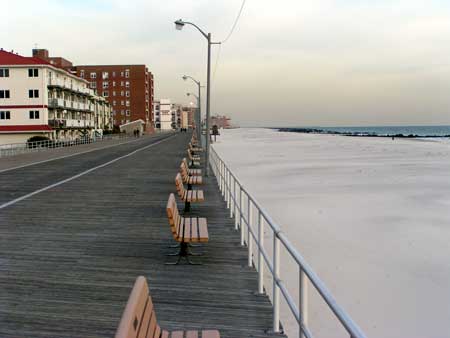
(198, 114)
(199, 109)
(179, 24)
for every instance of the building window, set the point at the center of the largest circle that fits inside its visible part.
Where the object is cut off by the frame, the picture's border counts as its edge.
(122, 103)
(4, 94)
(33, 93)
(5, 115)
(127, 84)
(127, 93)
(114, 103)
(127, 113)
(82, 74)
(114, 74)
(127, 103)
(105, 75)
(121, 74)
(114, 83)
(93, 85)
(121, 93)
(127, 73)
(105, 84)
(33, 72)
(93, 75)
(4, 72)
(105, 94)
(34, 114)
(121, 112)
(122, 83)
(114, 93)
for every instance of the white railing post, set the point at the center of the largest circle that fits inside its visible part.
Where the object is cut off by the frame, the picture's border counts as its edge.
(249, 235)
(233, 201)
(276, 289)
(260, 255)
(236, 219)
(241, 223)
(303, 302)
(228, 189)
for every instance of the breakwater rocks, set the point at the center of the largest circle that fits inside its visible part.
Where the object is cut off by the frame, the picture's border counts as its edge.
(355, 133)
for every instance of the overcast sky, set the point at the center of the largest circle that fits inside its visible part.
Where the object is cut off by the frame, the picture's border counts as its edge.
(289, 62)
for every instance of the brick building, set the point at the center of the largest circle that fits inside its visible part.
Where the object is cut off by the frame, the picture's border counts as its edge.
(128, 89)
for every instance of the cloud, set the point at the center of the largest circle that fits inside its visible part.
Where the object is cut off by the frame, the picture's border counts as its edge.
(296, 62)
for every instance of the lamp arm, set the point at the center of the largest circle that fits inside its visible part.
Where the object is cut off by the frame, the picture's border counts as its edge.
(199, 29)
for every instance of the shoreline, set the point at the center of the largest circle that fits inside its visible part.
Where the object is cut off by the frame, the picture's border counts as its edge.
(356, 134)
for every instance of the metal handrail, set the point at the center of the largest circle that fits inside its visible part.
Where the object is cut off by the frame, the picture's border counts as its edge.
(21, 148)
(234, 193)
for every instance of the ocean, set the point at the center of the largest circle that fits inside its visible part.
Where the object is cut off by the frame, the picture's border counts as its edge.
(383, 131)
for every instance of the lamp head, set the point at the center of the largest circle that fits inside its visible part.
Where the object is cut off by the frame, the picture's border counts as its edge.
(179, 24)
(184, 77)
(188, 94)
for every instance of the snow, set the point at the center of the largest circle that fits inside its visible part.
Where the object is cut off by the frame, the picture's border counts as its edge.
(370, 215)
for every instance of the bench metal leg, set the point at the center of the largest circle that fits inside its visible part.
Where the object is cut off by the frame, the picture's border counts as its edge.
(184, 252)
(187, 206)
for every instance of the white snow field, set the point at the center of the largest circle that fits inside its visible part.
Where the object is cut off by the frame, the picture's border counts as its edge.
(370, 215)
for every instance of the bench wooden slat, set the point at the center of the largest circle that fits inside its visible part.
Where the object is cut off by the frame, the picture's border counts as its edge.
(152, 326)
(200, 196)
(210, 334)
(157, 333)
(187, 230)
(192, 334)
(194, 230)
(177, 334)
(145, 321)
(203, 230)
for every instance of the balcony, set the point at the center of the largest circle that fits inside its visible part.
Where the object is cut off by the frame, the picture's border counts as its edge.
(71, 123)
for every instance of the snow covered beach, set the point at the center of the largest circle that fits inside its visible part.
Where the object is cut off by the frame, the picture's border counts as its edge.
(371, 215)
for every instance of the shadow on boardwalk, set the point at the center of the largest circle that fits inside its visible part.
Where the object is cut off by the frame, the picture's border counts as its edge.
(69, 256)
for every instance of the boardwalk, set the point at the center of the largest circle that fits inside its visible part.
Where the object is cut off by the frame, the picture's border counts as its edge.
(69, 255)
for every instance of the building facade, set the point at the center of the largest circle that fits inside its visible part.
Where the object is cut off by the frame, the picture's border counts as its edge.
(39, 98)
(127, 88)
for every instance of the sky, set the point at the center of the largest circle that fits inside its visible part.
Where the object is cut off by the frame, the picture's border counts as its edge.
(288, 62)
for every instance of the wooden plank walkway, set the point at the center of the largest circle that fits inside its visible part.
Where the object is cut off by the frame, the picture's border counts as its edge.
(69, 255)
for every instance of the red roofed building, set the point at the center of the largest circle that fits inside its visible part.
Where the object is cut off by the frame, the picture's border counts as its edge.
(41, 97)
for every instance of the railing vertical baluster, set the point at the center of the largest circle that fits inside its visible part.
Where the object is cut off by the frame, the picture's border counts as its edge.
(249, 235)
(241, 223)
(260, 256)
(233, 203)
(276, 289)
(228, 188)
(303, 302)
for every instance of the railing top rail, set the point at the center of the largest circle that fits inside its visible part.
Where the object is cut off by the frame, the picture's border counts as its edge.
(340, 313)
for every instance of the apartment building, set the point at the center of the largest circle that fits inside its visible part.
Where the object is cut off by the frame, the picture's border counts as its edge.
(128, 89)
(39, 98)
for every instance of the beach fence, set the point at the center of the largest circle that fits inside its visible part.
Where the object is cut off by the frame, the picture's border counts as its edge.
(253, 222)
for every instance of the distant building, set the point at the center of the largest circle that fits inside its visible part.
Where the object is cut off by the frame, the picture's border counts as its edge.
(40, 98)
(128, 89)
(220, 121)
(165, 114)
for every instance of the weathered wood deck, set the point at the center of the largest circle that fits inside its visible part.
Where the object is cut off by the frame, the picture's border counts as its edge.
(69, 255)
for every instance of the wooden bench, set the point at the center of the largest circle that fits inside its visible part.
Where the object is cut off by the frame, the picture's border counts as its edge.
(189, 180)
(195, 149)
(185, 230)
(190, 171)
(187, 196)
(195, 159)
(139, 318)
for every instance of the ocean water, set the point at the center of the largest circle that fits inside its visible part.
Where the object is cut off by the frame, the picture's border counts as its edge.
(415, 131)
